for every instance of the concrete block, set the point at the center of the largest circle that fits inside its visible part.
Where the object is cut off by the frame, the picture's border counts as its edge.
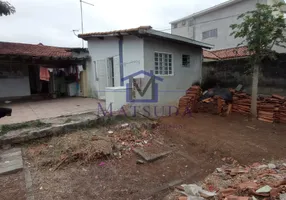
(11, 161)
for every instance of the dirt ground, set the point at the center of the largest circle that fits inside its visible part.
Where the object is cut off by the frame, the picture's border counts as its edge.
(206, 137)
(13, 187)
(198, 143)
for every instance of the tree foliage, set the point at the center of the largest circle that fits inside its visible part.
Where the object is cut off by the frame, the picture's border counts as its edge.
(6, 8)
(261, 29)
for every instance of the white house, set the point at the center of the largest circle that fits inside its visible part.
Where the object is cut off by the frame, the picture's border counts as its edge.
(138, 52)
(212, 25)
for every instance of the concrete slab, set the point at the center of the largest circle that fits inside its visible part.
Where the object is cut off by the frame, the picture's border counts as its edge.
(11, 161)
(150, 157)
(34, 110)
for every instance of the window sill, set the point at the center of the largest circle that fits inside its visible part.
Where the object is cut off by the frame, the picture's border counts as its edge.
(164, 75)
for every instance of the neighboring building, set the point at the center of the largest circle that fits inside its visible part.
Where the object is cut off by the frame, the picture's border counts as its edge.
(24, 70)
(119, 54)
(212, 25)
(232, 67)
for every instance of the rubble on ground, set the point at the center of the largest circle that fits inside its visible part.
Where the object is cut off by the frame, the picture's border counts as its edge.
(86, 147)
(235, 182)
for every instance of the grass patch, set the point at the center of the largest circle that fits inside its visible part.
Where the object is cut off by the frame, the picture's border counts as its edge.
(33, 124)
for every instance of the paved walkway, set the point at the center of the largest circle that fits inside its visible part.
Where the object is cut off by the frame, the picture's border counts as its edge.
(27, 111)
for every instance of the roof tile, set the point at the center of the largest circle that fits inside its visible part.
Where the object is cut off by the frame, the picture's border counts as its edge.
(8, 48)
(230, 53)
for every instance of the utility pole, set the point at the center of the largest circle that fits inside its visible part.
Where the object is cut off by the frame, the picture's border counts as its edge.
(81, 13)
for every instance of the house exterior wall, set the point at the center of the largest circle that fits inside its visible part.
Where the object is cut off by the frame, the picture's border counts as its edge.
(15, 86)
(174, 86)
(132, 50)
(220, 19)
(99, 49)
(133, 55)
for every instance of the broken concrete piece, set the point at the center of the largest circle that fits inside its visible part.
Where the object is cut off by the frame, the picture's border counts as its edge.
(264, 189)
(271, 166)
(148, 156)
(192, 189)
(11, 161)
(262, 167)
(140, 162)
(282, 197)
(219, 170)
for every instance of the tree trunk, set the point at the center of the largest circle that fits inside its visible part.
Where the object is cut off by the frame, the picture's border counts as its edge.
(254, 94)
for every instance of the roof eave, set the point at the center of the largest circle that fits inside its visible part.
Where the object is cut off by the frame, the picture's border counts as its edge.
(178, 38)
(86, 37)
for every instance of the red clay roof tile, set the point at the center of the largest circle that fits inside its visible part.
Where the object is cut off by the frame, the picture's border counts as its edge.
(40, 50)
(230, 53)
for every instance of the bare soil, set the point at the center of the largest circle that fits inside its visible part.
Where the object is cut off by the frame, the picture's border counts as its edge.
(13, 187)
(198, 143)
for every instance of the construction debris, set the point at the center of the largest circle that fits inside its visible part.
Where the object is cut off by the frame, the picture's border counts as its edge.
(219, 101)
(150, 157)
(87, 147)
(248, 182)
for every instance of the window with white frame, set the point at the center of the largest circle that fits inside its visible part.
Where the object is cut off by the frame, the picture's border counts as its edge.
(186, 60)
(163, 64)
(209, 34)
(175, 25)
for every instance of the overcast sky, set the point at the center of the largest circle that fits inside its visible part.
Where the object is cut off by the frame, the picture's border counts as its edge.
(51, 21)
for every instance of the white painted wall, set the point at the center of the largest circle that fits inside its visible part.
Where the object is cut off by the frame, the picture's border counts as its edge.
(220, 19)
(174, 87)
(133, 57)
(15, 87)
(99, 49)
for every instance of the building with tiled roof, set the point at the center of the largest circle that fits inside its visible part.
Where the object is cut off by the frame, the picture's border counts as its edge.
(21, 66)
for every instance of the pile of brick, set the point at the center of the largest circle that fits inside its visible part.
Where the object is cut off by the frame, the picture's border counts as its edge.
(241, 102)
(272, 109)
(269, 109)
(188, 102)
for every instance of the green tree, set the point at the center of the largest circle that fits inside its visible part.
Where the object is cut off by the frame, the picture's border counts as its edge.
(261, 30)
(6, 8)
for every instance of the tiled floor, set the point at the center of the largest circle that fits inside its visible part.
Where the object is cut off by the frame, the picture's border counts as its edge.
(27, 111)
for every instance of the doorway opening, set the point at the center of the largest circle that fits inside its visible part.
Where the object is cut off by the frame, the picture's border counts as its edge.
(110, 67)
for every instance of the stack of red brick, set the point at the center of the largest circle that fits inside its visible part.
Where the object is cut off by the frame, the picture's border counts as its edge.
(241, 102)
(271, 109)
(188, 102)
